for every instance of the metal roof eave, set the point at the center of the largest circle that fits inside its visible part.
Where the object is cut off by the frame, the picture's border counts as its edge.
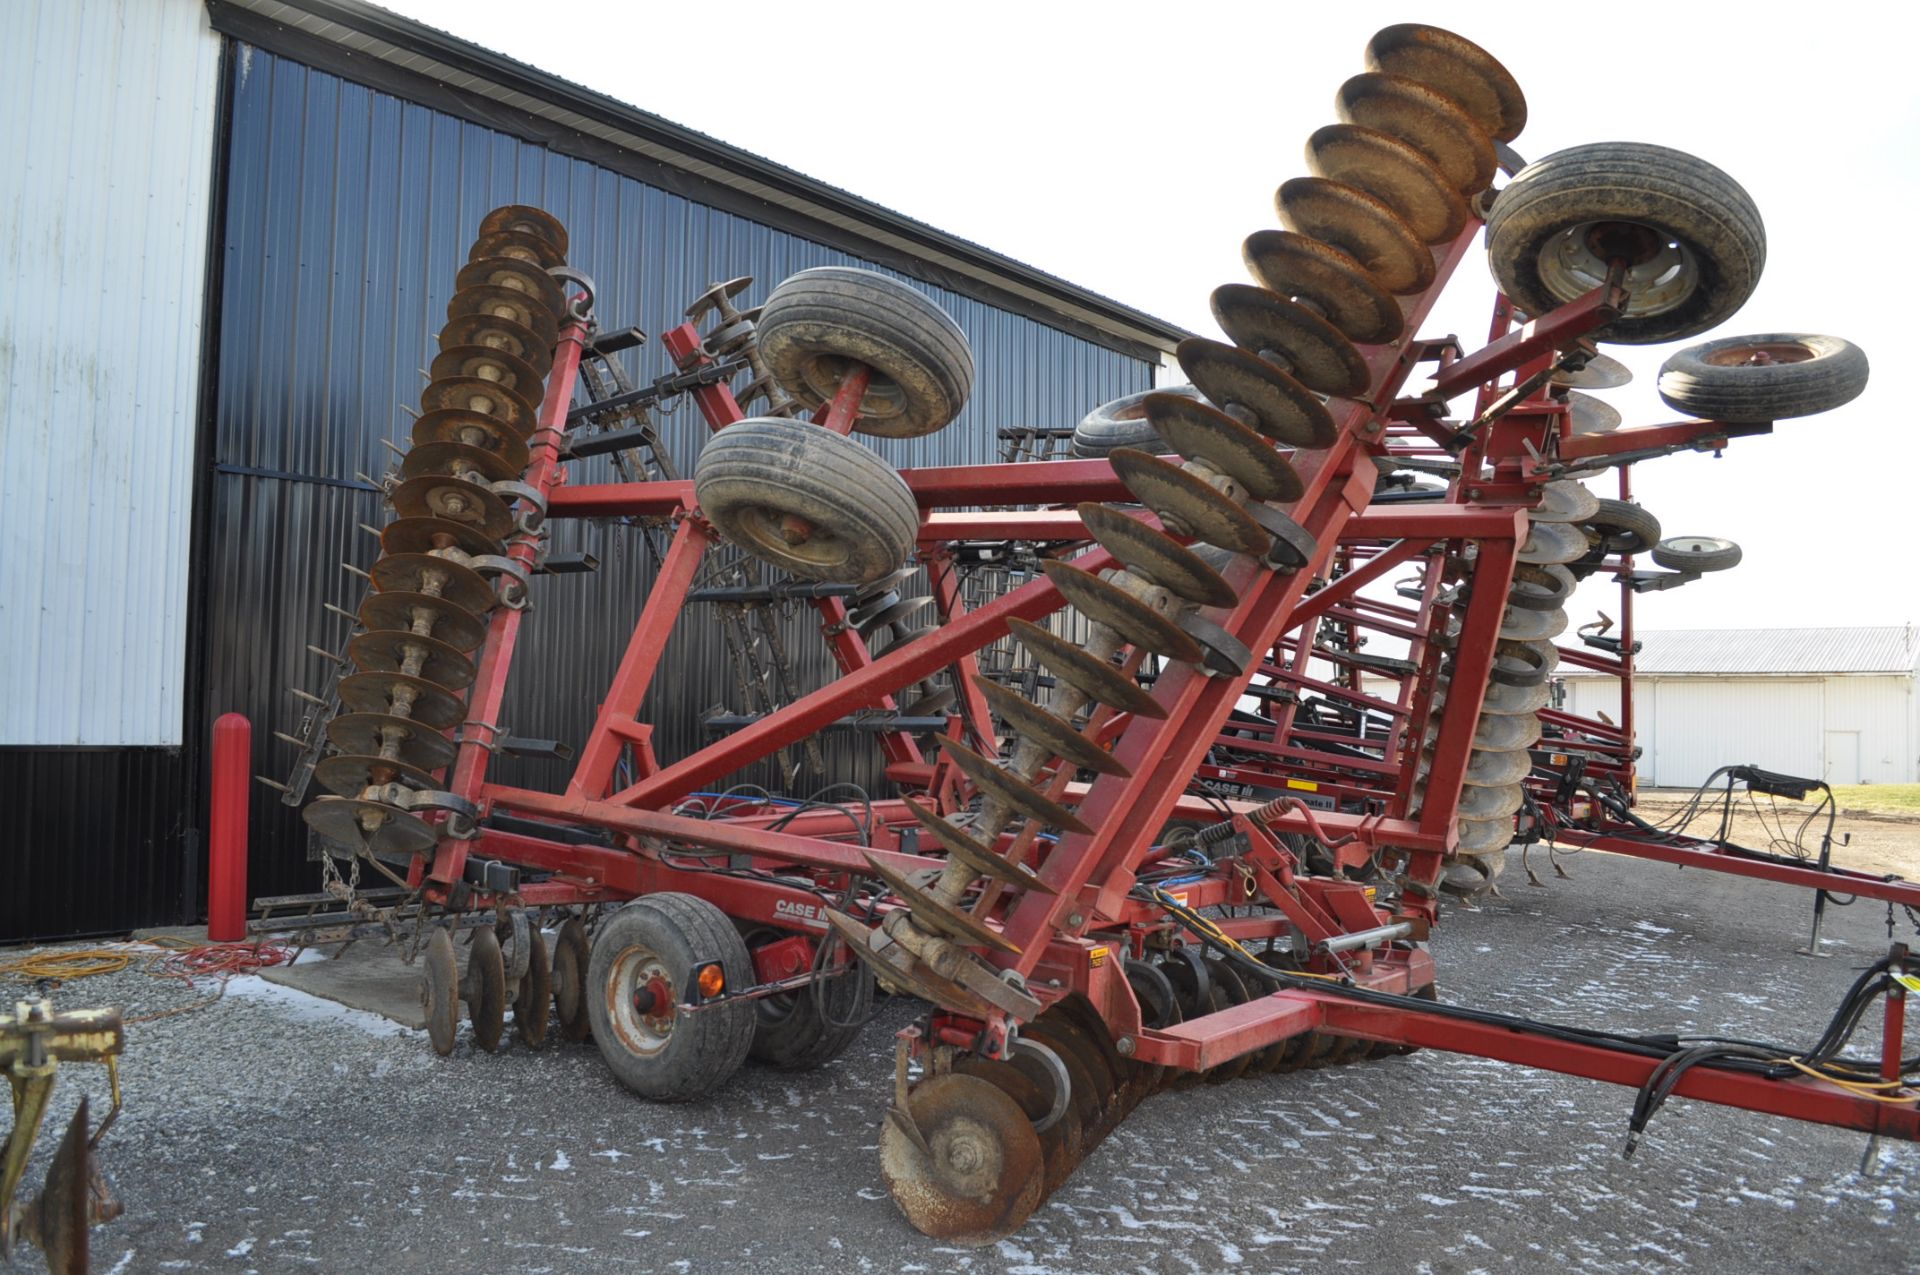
(366, 31)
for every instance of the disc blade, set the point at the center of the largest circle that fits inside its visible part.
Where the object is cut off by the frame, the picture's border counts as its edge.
(455, 499)
(1204, 433)
(389, 650)
(1023, 797)
(386, 692)
(1119, 610)
(371, 734)
(1321, 276)
(1292, 337)
(1088, 673)
(1394, 173)
(939, 917)
(527, 220)
(975, 855)
(483, 398)
(495, 332)
(968, 1169)
(1282, 408)
(458, 628)
(1430, 122)
(1029, 721)
(1186, 502)
(1156, 556)
(1359, 225)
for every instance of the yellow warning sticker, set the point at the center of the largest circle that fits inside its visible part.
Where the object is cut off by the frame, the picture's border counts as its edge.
(1908, 981)
(1304, 785)
(1096, 958)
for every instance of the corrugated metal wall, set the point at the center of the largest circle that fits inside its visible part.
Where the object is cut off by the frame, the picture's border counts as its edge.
(348, 214)
(108, 107)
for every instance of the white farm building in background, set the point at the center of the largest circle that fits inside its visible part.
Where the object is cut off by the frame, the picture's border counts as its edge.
(1836, 704)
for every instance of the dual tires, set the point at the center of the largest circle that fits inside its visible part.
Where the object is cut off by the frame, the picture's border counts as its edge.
(644, 961)
(813, 503)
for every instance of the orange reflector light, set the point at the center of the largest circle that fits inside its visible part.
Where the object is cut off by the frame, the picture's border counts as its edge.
(711, 980)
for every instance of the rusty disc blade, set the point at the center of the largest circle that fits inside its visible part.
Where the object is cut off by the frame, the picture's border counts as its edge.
(473, 430)
(1392, 172)
(377, 692)
(439, 577)
(1491, 803)
(972, 1171)
(1030, 721)
(1119, 610)
(485, 989)
(1484, 836)
(458, 628)
(1430, 122)
(56, 1221)
(1187, 503)
(350, 774)
(526, 220)
(975, 855)
(939, 917)
(1206, 434)
(481, 397)
(1157, 556)
(457, 460)
(902, 973)
(388, 650)
(997, 782)
(1092, 1091)
(1321, 276)
(455, 499)
(1282, 408)
(537, 250)
(1456, 66)
(513, 275)
(440, 992)
(506, 303)
(1488, 769)
(1291, 337)
(1359, 225)
(1500, 698)
(486, 363)
(368, 825)
(371, 733)
(1504, 733)
(572, 952)
(425, 535)
(494, 332)
(1086, 672)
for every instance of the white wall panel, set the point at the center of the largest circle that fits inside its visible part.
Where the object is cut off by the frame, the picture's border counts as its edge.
(108, 108)
(1881, 711)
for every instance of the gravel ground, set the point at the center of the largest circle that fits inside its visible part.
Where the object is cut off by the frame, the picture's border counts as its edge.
(275, 1132)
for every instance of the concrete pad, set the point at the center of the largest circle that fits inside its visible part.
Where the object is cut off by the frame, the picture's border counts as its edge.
(367, 976)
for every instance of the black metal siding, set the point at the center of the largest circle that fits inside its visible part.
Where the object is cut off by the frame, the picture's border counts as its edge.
(348, 213)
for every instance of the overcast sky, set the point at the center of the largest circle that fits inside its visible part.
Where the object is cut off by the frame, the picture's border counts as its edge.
(1131, 148)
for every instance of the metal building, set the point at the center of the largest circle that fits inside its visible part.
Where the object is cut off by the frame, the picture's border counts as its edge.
(231, 234)
(1839, 704)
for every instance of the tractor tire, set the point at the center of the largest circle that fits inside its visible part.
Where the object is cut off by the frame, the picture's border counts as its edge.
(819, 322)
(1624, 528)
(1123, 423)
(809, 1028)
(1694, 233)
(1805, 374)
(1697, 554)
(674, 1057)
(753, 476)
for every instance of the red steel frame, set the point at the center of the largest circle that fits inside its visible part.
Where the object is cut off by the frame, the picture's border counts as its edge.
(1065, 937)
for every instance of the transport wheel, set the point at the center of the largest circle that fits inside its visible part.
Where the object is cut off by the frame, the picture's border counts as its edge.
(485, 989)
(971, 1172)
(440, 993)
(1697, 554)
(820, 323)
(1624, 527)
(643, 965)
(533, 1001)
(1123, 423)
(1693, 240)
(571, 956)
(806, 500)
(808, 1028)
(1746, 379)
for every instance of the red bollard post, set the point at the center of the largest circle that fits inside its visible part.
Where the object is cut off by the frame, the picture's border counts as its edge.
(227, 829)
